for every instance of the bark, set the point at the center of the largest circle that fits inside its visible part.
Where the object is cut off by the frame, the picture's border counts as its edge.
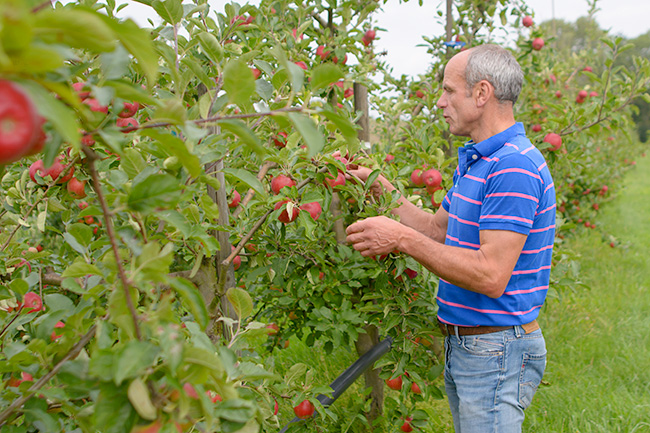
(371, 377)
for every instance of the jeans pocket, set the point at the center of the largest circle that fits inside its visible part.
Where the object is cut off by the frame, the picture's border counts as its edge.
(532, 371)
(482, 346)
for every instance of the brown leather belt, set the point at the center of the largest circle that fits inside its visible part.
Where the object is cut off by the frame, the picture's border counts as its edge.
(478, 330)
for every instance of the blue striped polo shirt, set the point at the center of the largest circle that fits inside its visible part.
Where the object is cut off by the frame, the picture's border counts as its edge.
(502, 183)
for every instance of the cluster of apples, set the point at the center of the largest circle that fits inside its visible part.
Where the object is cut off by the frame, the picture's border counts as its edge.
(396, 384)
(429, 178)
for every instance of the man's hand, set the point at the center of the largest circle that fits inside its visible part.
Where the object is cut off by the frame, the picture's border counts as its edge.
(375, 236)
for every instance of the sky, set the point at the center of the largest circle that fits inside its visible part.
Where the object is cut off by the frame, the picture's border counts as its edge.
(406, 23)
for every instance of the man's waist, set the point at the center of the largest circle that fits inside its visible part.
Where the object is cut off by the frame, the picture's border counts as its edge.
(448, 329)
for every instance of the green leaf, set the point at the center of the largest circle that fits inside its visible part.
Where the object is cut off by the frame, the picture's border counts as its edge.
(132, 162)
(307, 128)
(63, 119)
(324, 75)
(171, 11)
(297, 76)
(191, 299)
(82, 233)
(173, 145)
(171, 111)
(264, 89)
(76, 27)
(80, 269)
(115, 64)
(177, 220)
(197, 70)
(131, 92)
(238, 82)
(344, 125)
(241, 302)
(246, 177)
(140, 399)
(154, 192)
(112, 409)
(133, 359)
(210, 47)
(242, 131)
(38, 60)
(40, 221)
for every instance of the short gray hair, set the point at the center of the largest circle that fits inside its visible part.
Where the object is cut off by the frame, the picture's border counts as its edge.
(499, 67)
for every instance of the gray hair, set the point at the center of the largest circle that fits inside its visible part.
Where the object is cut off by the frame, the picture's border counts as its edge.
(496, 65)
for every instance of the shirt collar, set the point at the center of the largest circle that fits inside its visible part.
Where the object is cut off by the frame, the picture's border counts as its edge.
(472, 152)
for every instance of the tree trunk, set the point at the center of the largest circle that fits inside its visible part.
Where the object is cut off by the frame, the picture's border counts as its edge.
(371, 377)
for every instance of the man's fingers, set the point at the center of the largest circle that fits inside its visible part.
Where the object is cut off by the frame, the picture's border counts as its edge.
(354, 228)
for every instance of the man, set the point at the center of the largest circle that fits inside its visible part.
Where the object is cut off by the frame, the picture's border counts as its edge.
(490, 243)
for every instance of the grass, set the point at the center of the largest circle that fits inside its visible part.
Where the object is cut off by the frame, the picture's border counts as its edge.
(598, 336)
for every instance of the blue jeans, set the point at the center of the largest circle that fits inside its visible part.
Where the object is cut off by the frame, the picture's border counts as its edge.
(490, 379)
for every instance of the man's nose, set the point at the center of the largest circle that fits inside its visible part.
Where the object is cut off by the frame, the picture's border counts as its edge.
(442, 101)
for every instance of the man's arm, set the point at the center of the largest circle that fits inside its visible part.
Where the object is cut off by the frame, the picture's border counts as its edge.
(486, 270)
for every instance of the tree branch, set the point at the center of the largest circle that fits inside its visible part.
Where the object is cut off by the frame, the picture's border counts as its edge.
(90, 162)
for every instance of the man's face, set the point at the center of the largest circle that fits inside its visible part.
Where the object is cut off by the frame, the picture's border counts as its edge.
(457, 103)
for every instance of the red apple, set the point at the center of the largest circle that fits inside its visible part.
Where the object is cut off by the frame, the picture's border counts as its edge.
(32, 301)
(302, 64)
(55, 170)
(343, 60)
(432, 178)
(279, 182)
(368, 37)
(389, 158)
(527, 21)
(538, 44)
(395, 383)
(558, 94)
(127, 122)
(587, 69)
(406, 427)
(236, 261)
(256, 73)
(54, 335)
(348, 93)
(320, 51)
(129, 110)
(77, 188)
(415, 388)
(280, 139)
(304, 410)
(36, 167)
(95, 105)
(236, 198)
(190, 391)
(20, 123)
(554, 140)
(314, 209)
(79, 88)
(419, 94)
(284, 215)
(416, 177)
(537, 127)
(334, 182)
(411, 273)
(272, 328)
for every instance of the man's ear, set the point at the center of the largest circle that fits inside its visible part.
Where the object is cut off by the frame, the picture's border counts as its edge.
(483, 91)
